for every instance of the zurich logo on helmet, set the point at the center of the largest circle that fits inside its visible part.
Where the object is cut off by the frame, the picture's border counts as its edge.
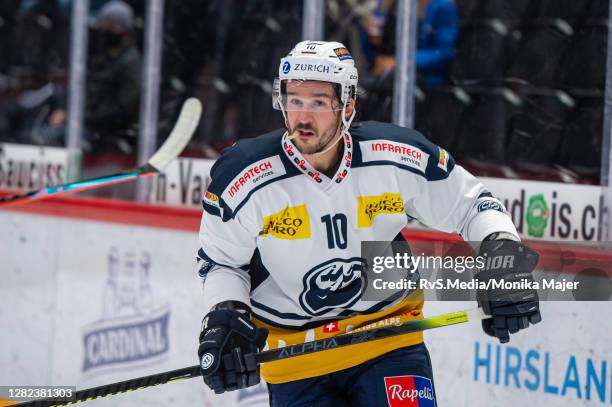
(286, 67)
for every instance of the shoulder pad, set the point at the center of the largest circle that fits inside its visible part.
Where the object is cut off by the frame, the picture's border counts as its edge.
(242, 169)
(385, 143)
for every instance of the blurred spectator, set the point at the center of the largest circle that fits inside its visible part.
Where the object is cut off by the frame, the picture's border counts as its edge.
(373, 28)
(34, 37)
(33, 58)
(64, 6)
(438, 30)
(345, 21)
(113, 82)
(36, 6)
(235, 78)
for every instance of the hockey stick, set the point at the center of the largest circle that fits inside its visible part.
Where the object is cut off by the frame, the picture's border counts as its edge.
(175, 143)
(475, 314)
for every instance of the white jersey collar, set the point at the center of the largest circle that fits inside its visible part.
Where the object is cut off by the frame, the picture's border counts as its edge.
(324, 182)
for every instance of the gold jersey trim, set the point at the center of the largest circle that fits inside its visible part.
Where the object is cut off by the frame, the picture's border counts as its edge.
(324, 362)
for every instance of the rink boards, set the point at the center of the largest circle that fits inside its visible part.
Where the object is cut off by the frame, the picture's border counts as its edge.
(88, 302)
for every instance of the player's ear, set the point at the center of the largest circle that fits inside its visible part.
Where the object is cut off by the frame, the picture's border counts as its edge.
(350, 107)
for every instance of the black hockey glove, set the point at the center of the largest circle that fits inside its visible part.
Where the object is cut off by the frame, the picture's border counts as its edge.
(228, 343)
(513, 308)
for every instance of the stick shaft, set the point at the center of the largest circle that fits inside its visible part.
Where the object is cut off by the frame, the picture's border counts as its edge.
(370, 335)
(120, 387)
(172, 147)
(78, 186)
(353, 338)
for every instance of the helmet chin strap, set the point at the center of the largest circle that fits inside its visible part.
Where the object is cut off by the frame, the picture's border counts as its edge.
(344, 122)
(282, 109)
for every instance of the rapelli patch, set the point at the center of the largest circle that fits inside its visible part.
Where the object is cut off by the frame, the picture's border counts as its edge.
(409, 391)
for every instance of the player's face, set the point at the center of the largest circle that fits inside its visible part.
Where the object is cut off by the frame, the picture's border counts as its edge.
(314, 111)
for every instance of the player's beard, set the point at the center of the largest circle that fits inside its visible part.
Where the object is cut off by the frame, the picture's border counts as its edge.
(328, 136)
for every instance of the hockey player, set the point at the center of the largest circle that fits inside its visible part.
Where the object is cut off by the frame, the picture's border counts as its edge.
(284, 218)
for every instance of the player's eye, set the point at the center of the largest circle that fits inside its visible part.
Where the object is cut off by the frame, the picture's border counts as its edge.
(319, 104)
(295, 102)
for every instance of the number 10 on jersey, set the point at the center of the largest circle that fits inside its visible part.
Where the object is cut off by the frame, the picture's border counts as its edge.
(336, 227)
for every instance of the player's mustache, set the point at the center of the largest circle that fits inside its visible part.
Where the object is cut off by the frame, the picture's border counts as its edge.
(303, 127)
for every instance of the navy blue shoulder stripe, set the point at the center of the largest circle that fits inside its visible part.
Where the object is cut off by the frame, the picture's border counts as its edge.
(259, 273)
(211, 209)
(373, 130)
(202, 255)
(236, 158)
(283, 315)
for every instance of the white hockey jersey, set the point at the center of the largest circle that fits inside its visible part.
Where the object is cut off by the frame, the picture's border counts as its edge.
(286, 239)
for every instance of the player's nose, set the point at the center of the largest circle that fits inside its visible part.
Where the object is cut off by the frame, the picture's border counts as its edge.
(304, 116)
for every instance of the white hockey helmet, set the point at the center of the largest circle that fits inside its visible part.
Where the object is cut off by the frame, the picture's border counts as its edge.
(318, 61)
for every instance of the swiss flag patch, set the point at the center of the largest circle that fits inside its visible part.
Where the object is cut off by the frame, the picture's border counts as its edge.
(330, 327)
(409, 391)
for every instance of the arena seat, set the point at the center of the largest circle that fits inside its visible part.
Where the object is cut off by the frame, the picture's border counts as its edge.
(536, 132)
(511, 12)
(568, 10)
(583, 64)
(376, 103)
(482, 52)
(539, 54)
(481, 134)
(468, 9)
(598, 9)
(582, 139)
(445, 110)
